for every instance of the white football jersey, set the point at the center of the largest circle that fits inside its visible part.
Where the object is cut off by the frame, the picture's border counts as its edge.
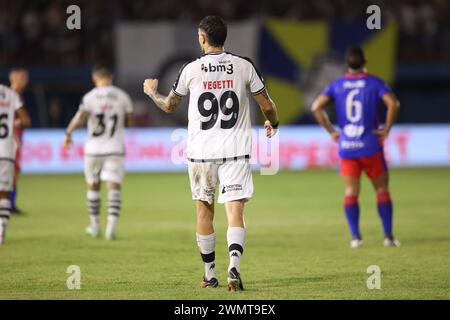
(9, 103)
(107, 108)
(220, 85)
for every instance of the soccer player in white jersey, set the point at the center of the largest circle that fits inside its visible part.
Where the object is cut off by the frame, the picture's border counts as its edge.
(10, 107)
(219, 139)
(107, 109)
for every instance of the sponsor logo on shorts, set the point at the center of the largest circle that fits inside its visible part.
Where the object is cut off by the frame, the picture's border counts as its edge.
(231, 187)
(352, 144)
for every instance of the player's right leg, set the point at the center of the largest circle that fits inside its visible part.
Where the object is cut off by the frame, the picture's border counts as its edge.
(203, 180)
(236, 188)
(7, 174)
(92, 169)
(351, 171)
(114, 206)
(235, 239)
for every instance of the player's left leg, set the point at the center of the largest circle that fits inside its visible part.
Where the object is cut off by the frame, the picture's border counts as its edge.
(92, 168)
(206, 241)
(351, 209)
(203, 180)
(350, 170)
(93, 204)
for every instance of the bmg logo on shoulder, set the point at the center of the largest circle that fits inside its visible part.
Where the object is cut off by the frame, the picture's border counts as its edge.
(219, 68)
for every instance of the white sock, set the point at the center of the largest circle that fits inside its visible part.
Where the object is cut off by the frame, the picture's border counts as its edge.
(114, 205)
(207, 246)
(93, 202)
(235, 239)
(112, 222)
(5, 210)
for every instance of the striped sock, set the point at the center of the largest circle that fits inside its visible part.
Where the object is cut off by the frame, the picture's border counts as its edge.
(235, 239)
(207, 246)
(5, 210)
(114, 205)
(93, 203)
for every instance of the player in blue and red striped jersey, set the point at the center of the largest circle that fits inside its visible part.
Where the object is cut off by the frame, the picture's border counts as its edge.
(357, 96)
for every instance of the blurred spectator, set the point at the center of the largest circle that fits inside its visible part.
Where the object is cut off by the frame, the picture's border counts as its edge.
(33, 32)
(54, 113)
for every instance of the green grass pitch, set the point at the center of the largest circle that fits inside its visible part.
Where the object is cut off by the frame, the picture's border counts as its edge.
(297, 241)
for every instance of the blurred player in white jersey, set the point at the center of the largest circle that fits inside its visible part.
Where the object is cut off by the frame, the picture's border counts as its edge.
(18, 78)
(108, 110)
(219, 139)
(10, 107)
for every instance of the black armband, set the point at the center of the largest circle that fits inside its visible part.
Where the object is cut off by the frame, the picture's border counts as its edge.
(275, 126)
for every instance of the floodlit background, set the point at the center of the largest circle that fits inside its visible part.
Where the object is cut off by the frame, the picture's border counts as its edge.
(297, 237)
(297, 45)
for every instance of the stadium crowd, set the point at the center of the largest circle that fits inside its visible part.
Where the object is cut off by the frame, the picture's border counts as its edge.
(33, 32)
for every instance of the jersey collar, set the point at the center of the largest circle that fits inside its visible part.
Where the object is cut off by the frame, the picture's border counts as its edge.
(356, 75)
(214, 53)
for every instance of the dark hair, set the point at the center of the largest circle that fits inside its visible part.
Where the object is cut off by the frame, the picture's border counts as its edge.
(17, 68)
(354, 57)
(215, 29)
(102, 70)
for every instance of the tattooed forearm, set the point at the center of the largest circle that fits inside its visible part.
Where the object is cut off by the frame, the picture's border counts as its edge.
(166, 104)
(265, 95)
(174, 102)
(267, 107)
(272, 116)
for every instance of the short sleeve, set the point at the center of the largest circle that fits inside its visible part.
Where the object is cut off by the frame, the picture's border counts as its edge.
(180, 87)
(383, 89)
(256, 83)
(128, 103)
(17, 102)
(328, 91)
(84, 106)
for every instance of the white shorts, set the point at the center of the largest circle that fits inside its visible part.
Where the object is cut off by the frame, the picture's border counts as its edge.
(6, 175)
(234, 178)
(104, 168)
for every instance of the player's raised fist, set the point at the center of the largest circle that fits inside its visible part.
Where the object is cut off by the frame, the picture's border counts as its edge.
(150, 86)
